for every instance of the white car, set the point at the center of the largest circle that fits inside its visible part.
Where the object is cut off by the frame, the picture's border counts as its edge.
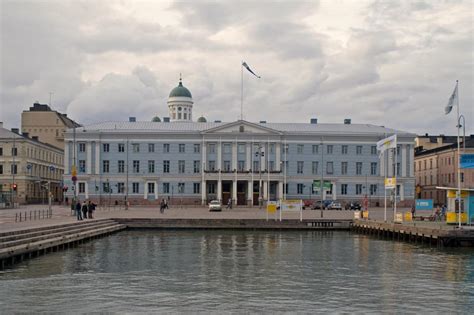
(215, 205)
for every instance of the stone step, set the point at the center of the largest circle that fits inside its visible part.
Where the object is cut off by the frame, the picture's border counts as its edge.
(57, 241)
(56, 233)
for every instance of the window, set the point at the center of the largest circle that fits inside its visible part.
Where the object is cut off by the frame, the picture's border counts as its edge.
(344, 149)
(14, 169)
(106, 147)
(120, 188)
(212, 165)
(1, 169)
(181, 166)
(431, 163)
(373, 150)
(14, 151)
(241, 148)
(329, 168)
(271, 166)
(211, 188)
(166, 166)
(241, 166)
(373, 168)
(314, 167)
(166, 188)
(315, 149)
(358, 168)
(151, 166)
(121, 147)
(1, 151)
(462, 177)
(105, 166)
(135, 188)
(181, 188)
(197, 148)
(136, 166)
(343, 189)
(197, 188)
(256, 166)
(329, 149)
(227, 148)
(299, 189)
(151, 147)
(151, 188)
(285, 188)
(121, 166)
(299, 167)
(272, 148)
(82, 166)
(299, 148)
(359, 150)
(182, 147)
(82, 188)
(166, 148)
(197, 166)
(286, 148)
(227, 166)
(344, 168)
(82, 147)
(106, 187)
(373, 189)
(358, 189)
(212, 148)
(136, 147)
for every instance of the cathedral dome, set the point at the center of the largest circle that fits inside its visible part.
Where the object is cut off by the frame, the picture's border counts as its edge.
(180, 91)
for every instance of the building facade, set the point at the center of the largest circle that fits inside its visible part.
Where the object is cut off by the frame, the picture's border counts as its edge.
(32, 167)
(438, 167)
(46, 124)
(195, 162)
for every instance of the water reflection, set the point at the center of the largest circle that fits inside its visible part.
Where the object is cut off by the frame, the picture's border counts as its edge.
(242, 271)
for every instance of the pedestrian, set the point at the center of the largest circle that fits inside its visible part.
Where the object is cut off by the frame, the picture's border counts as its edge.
(413, 212)
(78, 210)
(84, 210)
(229, 204)
(91, 207)
(166, 204)
(162, 206)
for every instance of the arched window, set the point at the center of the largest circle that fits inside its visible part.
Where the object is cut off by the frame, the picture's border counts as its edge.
(179, 108)
(179, 115)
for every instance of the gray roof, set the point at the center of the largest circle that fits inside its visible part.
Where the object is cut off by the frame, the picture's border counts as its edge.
(7, 134)
(289, 128)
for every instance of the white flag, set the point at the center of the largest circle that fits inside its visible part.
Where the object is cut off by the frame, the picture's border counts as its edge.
(453, 98)
(387, 143)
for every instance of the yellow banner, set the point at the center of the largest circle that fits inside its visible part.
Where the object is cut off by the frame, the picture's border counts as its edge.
(452, 194)
(271, 208)
(73, 170)
(390, 182)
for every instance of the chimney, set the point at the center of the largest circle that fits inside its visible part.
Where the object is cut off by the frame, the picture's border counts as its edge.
(217, 121)
(1, 124)
(16, 130)
(166, 119)
(347, 121)
(263, 121)
(35, 138)
(132, 119)
(25, 134)
(313, 121)
(439, 139)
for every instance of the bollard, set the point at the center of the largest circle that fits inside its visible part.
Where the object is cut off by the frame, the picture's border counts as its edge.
(35, 214)
(30, 215)
(25, 216)
(16, 217)
(43, 213)
(20, 216)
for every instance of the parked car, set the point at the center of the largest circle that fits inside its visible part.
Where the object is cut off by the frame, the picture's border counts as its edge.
(317, 204)
(354, 205)
(307, 204)
(335, 205)
(215, 205)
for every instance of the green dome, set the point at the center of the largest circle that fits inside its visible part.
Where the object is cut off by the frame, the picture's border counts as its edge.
(202, 119)
(180, 91)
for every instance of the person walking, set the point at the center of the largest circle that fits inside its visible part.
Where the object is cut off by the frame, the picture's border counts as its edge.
(84, 210)
(78, 211)
(229, 203)
(91, 207)
(162, 206)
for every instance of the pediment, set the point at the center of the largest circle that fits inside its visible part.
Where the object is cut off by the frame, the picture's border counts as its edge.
(242, 126)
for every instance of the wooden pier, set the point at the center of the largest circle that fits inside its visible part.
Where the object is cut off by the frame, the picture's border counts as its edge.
(429, 234)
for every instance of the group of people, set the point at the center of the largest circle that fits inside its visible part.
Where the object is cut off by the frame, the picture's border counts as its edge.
(85, 210)
(438, 215)
(163, 205)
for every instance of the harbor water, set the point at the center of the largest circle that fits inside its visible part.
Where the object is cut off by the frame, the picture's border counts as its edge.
(242, 271)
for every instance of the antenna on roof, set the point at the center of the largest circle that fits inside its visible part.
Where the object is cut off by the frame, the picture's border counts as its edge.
(50, 99)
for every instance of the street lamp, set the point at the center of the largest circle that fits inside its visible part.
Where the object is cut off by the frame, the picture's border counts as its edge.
(260, 154)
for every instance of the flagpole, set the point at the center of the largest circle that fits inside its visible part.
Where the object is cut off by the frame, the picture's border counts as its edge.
(241, 91)
(384, 189)
(396, 185)
(459, 160)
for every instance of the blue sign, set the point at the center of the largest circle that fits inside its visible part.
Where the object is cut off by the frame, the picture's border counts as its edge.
(467, 160)
(424, 204)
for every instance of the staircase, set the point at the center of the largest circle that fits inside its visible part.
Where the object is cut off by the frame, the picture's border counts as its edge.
(18, 245)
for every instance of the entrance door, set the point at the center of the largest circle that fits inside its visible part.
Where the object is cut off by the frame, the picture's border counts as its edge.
(242, 193)
(226, 192)
(255, 193)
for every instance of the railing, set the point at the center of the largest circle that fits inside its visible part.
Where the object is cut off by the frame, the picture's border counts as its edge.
(33, 215)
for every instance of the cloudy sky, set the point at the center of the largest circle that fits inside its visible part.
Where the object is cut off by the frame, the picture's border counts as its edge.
(391, 63)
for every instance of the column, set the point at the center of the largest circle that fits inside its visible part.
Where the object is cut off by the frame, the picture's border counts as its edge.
(86, 187)
(402, 192)
(263, 158)
(382, 163)
(411, 156)
(234, 155)
(234, 192)
(97, 158)
(145, 190)
(265, 190)
(334, 190)
(219, 156)
(89, 158)
(203, 192)
(390, 162)
(277, 156)
(66, 158)
(248, 160)
(250, 192)
(219, 190)
(280, 190)
(404, 160)
(204, 157)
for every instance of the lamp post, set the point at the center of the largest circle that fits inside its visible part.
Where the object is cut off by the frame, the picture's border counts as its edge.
(260, 154)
